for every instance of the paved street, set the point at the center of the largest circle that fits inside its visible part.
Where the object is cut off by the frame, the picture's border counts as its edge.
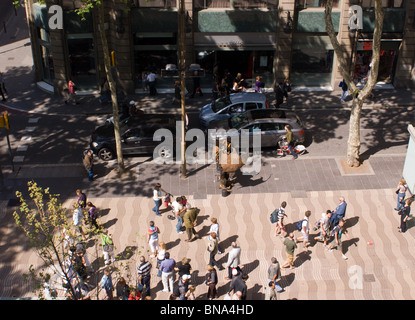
(48, 137)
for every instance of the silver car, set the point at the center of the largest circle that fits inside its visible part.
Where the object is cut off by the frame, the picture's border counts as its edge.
(271, 122)
(228, 106)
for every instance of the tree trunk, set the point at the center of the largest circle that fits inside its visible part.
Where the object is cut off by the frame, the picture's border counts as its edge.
(353, 144)
(112, 87)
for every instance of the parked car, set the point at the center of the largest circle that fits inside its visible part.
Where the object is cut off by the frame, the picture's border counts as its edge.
(271, 122)
(137, 136)
(228, 106)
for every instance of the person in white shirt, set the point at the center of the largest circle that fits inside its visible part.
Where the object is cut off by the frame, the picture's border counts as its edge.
(214, 228)
(178, 210)
(157, 197)
(151, 80)
(305, 229)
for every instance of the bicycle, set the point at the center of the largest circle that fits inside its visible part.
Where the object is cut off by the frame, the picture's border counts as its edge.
(283, 150)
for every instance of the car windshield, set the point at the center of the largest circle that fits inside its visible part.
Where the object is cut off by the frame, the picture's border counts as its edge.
(241, 119)
(238, 120)
(221, 103)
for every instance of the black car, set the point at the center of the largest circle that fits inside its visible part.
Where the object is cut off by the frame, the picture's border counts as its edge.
(137, 136)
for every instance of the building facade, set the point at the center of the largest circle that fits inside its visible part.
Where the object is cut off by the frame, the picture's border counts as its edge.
(275, 39)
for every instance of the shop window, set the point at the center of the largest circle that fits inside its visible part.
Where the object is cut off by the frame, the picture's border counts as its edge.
(46, 59)
(235, 3)
(385, 3)
(303, 4)
(155, 3)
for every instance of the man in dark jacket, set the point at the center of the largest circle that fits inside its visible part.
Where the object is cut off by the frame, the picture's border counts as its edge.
(280, 93)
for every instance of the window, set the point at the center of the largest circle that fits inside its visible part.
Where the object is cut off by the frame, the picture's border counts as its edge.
(385, 3)
(315, 4)
(235, 3)
(237, 108)
(251, 106)
(46, 59)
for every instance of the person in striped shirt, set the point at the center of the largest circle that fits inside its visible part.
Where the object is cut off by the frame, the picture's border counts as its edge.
(144, 275)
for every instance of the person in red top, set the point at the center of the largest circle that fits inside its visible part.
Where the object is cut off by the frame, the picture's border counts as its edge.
(134, 295)
(72, 92)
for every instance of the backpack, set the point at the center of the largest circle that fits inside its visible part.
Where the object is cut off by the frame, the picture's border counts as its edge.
(274, 216)
(299, 225)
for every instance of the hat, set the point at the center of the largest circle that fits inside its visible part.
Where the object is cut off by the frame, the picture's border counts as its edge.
(186, 276)
(132, 102)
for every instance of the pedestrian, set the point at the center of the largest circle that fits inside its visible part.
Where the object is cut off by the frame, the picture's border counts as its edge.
(134, 295)
(122, 289)
(167, 268)
(106, 284)
(183, 286)
(108, 247)
(290, 247)
(77, 219)
(287, 87)
(72, 92)
(81, 200)
(238, 84)
(211, 282)
(190, 294)
(270, 293)
(289, 137)
(82, 291)
(153, 239)
(239, 284)
(233, 259)
(337, 233)
(214, 228)
(105, 92)
(339, 212)
(280, 228)
(178, 210)
(183, 267)
(3, 90)
(404, 213)
(144, 276)
(196, 84)
(213, 250)
(177, 92)
(305, 230)
(161, 256)
(190, 221)
(158, 198)
(274, 273)
(324, 227)
(279, 94)
(151, 81)
(401, 192)
(93, 215)
(259, 84)
(89, 164)
(345, 90)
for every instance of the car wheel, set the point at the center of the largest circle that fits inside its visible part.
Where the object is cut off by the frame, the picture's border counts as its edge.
(106, 154)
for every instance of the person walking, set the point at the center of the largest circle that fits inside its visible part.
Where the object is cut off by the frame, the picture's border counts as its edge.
(339, 212)
(239, 284)
(178, 210)
(280, 228)
(233, 259)
(196, 84)
(77, 219)
(213, 250)
(290, 247)
(183, 267)
(81, 200)
(214, 228)
(3, 90)
(106, 284)
(190, 221)
(274, 273)
(345, 90)
(337, 232)
(153, 239)
(92, 215)
(404, 213)
(72, 92)
(183, 286)
(279, 94)
(211, 282)
(108, 247)
(158, 198)
(289, 137)
(287, 87)
(324, 227)
(270, 293)
(89, 164)
(151, 81)
(161, 256)
(144, 276)
(305, 230)
(401, 191)
(167, 269)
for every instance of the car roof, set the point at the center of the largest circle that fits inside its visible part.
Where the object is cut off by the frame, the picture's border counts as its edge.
(247, 96)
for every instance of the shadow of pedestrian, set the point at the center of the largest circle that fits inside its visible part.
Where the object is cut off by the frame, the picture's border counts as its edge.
(170, 245)
(127, 253)
(347, 243)
(287, 280)
(255, 293)
(350, 222)
(228, 242)
(109, 223)
(302, 257)
(249, 267)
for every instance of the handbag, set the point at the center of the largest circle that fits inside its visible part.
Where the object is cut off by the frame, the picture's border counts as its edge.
(397, 191)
